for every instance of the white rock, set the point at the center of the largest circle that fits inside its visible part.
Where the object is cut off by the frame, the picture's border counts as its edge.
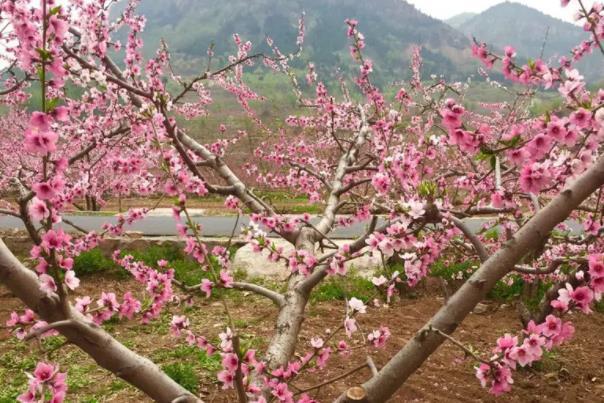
(257, 264)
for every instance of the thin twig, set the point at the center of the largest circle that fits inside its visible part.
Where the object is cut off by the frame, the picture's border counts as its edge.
(334, 379)
(41, 330)
(458, 344)
(371, 365)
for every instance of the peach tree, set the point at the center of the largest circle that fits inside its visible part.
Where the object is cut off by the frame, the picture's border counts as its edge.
(411, 168)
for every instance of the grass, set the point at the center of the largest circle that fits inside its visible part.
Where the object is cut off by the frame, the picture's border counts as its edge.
(14, 362)
(344, 288)
(187, 365)
(454, 271)
(94, 261)
(184, 374)
(186, 269)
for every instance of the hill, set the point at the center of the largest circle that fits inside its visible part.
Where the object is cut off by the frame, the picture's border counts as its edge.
(531, 32)
(460, 19)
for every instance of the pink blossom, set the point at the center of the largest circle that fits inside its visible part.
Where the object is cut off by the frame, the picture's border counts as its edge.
(179, 323)
(416, 208)
(596, 266)
(47, 284)
(533, 345)
(379, 337)
(129, 306)
(581, 118)
(521, 355)
(108, 300)
(533, 178)
(282, 393)
(323, 357)
(71, 280)
(226, 378)
(316, 342)
(556, 129)
(552, 326)
(539, 146)
(231, 202)
(44, 190)
(38, 210)
(44, 372)
(40, 143)
(381, 182)
(40, 121)
(226, 279)
(506, 342)
(230, 362)
(582, 297)
(206, 287)
(356, 305)
(54, 240)
(350, 325)
(61, 113)
(83, 303)
(499, 376)
(379, 281)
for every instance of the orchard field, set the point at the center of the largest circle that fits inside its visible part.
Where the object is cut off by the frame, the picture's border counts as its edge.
(475, 271)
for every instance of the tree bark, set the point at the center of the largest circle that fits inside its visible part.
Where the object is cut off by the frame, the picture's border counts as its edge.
(291, 315)
(98, 344)
(392, 376)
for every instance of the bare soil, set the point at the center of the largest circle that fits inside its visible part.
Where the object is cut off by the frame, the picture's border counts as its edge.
(574, 373)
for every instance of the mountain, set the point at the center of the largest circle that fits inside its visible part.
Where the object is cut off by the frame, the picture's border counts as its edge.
(391, 27)
(531, 33)
(460, 19)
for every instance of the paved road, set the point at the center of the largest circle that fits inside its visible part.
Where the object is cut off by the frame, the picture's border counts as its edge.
(212, 226)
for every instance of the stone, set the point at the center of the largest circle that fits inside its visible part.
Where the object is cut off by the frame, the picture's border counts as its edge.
(480, 309)
(257, 264)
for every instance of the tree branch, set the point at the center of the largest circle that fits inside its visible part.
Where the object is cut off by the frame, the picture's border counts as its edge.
(10, 213)
(347, 160)
(554, 264)
(274, 296)
(473, 238)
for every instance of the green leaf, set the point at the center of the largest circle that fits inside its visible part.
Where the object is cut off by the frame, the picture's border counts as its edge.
(51, 104)
(493, 161)
(55, 10)
(45, 55)
(427, 188)
(513, 142)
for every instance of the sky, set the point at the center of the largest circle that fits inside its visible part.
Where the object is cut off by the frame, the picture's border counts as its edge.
(443, 9)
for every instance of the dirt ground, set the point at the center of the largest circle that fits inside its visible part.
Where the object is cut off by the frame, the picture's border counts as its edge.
(574, 373)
